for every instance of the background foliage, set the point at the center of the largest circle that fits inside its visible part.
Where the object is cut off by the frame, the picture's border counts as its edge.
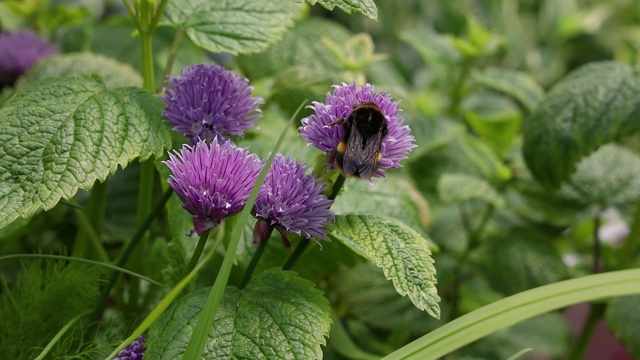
(525, 115)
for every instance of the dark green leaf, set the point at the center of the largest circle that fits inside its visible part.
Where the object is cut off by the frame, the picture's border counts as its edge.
(401, 252)
(623, 319)
(278, 315)
(368, 296)
(433, 132)
(512, 82)
(62, 134)
(455, 188)
(235, 27)
(365, 7)
(522, 260)
(113, 73)
(484, 159)
(592, 106)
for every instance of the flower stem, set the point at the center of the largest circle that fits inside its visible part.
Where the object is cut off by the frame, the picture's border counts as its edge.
(255, 259)
(597, 267)
(197, 252)
(91, 222)
(172, 54)
(126, 252)
(299, 250)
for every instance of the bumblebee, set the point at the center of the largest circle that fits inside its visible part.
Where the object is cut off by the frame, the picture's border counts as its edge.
(358, 154)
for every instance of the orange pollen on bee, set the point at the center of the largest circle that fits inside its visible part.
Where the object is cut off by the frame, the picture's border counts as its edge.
(342, 147)
(379, 157)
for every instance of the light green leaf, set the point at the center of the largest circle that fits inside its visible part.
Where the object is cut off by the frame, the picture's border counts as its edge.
(485, 159)
(623, 319)
(494, 118)
(235, 27)
(434, 48)
(400, 251)
(514, 309)
(62, 134)
(513, 83)
(456, 188)
(114, 74)
(278, 315)
(594, 105)
(434, 132)
(365, 7)
(393, 197)
(519, 354)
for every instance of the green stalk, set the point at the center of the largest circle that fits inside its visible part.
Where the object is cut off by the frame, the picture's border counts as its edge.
(173, 53)
(255, 259)
(579, 350)
(197, 252)
(91, 221)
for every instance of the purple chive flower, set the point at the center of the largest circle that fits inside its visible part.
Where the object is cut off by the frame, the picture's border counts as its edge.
(291, 201)
(212, 180)
(207, 100)
(315, 130)
(133, 351)
(19, 51)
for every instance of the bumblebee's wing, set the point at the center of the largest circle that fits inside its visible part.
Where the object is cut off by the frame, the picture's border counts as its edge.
(361, 155)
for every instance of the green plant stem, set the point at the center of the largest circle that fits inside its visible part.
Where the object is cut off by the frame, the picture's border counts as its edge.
(597, 267)
(302, 245)
(57, 337)
(255, 259)
(197, 252)
(457, 94)
(126, 252)
(579, 351)
(87, 243)
(629, 250)
(173, 53)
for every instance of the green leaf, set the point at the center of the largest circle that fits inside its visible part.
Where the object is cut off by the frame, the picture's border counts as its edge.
(594, 105)
(62, 134)
(113, 73)
(494, 118)
(432, 133)
(624, 321)
(234, 27)
(277, 315)
(610, 177)
(455, 188)
(513, 83)
(400, 251)
(485, 159)
(434, 48)
(366, 295)
(522, 260)
(514, 309)
(393, 197)
(365, 7)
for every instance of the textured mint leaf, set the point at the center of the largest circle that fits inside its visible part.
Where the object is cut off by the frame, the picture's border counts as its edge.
(235, 27)
(432, 133)
(400, 251)
(484, 158)
(113, 73)
(513, 83)
(62, 134)
(278, 315)
(610, 177)
(456, 188)
(393, 197)
(365, 7)
(623, 319)
(592, 106)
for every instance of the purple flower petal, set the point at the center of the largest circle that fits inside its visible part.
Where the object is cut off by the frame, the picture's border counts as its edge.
(212, 180)
(207, 100)
(19, 51)
(291, 200)
(133, 351)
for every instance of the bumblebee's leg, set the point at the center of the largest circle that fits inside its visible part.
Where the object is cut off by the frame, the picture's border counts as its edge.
(337, 122)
